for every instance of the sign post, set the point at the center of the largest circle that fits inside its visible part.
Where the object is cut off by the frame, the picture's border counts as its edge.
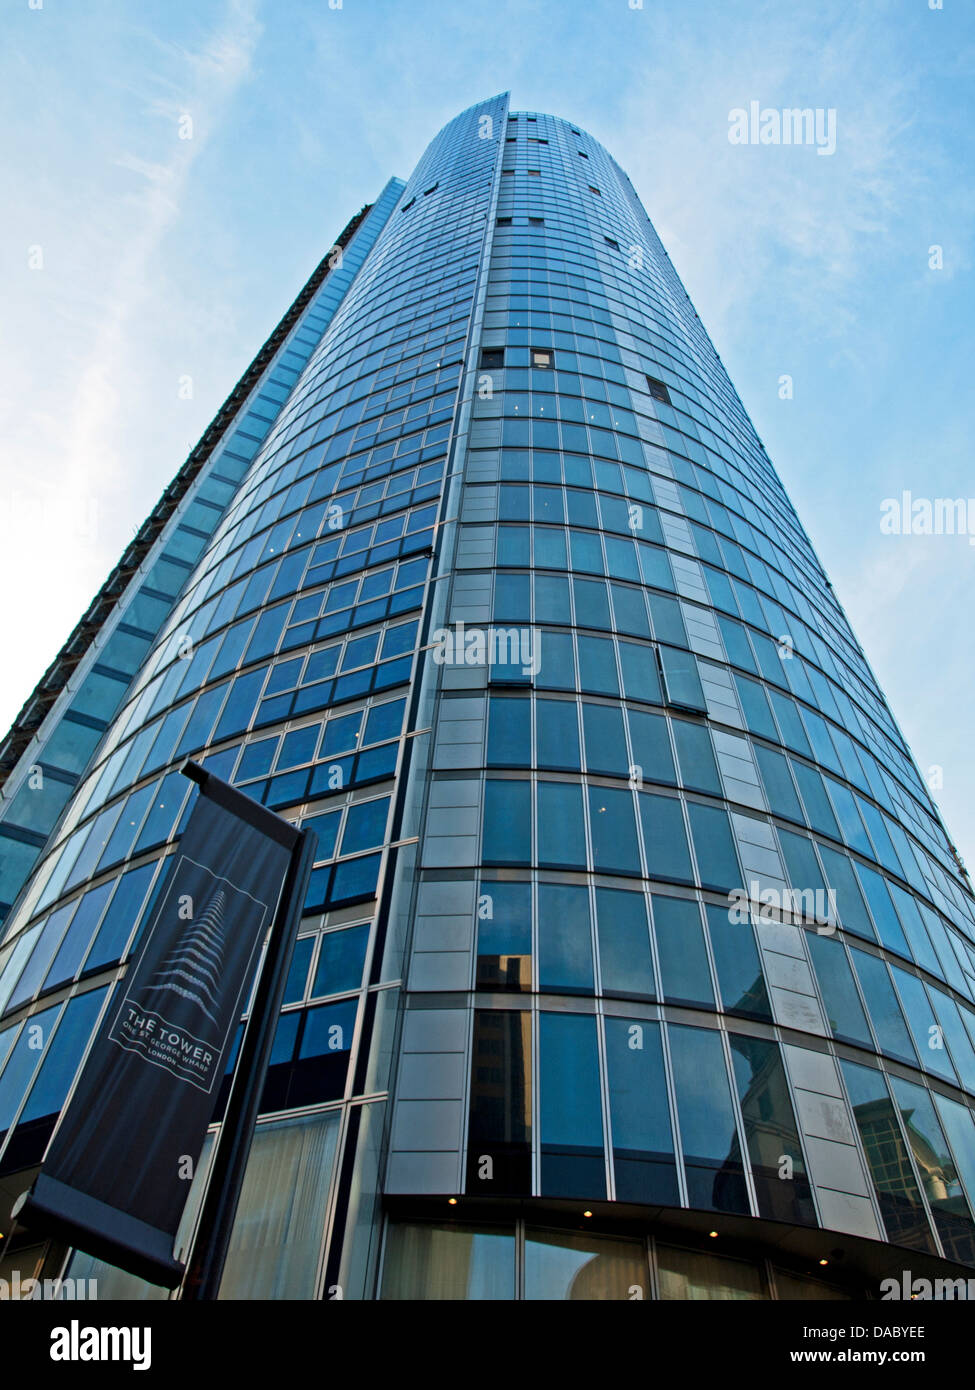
(116, 1173)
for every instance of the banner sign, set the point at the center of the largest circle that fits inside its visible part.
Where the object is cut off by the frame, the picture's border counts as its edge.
(117, 1172)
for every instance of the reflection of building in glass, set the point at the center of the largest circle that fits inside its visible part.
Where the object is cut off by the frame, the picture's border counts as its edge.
(484, 573)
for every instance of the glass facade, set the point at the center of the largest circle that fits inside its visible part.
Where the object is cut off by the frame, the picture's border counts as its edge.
(632, 917)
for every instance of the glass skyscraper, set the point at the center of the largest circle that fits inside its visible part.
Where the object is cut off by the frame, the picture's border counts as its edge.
(636, 962)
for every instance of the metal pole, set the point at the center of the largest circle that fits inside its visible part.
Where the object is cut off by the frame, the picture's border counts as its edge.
(204, 1268)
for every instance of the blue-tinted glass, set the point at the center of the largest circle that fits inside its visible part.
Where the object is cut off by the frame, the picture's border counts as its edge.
(570, 1109)
(256, 759)
(754, 702)
(294, 989)
(844, 1012)
(591, 604)
(384, 721)
(23, 1059)
(699, 771)
(507, 822)
(557, 666)
(818, 810)
(928, 1036)
(664, 838)
(887, 1157)
(120, 917)
(681, 678)
(770, 1131)
(504, 935)
(340, 960)
(882, 1007)
(625, 965)
(614, 839)
(355, 879)
(605, 739)
(779, 787)
(888, 923)
(509, 732)
(63, 1056)
(643, 1141)
(714, 846)
(79, 934)
(914, 928)
(40, 958)
(684, 971)
(561, 827)
(849, 900)
(668, 625)
(328, 1030)
(651, 747)
(597, 666)
(365, 825)
(804, 872)
(737, 963)
(564, 939)
(341, 734)
(557, 734)
(709, 1137)
(849, 817)
(298, 747)
(942, 1187)
(640, 678)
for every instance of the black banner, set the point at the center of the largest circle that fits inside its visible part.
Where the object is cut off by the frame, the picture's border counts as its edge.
(116, 1175)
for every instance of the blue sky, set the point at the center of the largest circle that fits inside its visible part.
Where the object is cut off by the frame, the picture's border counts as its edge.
(162, 258)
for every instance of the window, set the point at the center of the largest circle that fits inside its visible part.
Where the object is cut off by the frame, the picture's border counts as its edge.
(275, 1245)
(448, 1262)
(492, 357)
(658, 390)
(691, 1274)
(614, 839)
(643, 1141)
(625, 963)
(570, 1107)
(883, 1008)
(684, 972)
(536, 221)
(890, 1166)
(594, 189)
(566, 1266)
(501, 1104)
(844, 1012)
(611, 241)
(340, 960)
(737, 963)
(712, 1153)
(561, 829)
(557, 734)
(664, 838)
(504, 936)
(541, 358)
(717, 861)
(507, 822)
(939, 1176)
(503, 222)
(770, 1131)
(564, 939)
